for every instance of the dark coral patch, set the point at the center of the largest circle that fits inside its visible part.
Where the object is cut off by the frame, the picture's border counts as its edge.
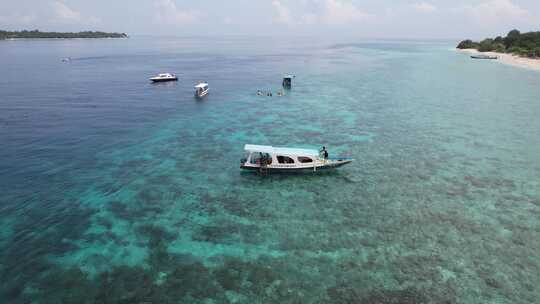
(194, 280)
(350, 295)
(119, 209)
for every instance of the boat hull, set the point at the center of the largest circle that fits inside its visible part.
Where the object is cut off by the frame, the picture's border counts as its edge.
(201, 95)
(163, 79)
(324, 167)
(485, 57)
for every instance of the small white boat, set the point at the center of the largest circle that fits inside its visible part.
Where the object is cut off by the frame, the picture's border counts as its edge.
(164, 77)
(287, 81)
(201, 90)
(484, 56)
(274, 159)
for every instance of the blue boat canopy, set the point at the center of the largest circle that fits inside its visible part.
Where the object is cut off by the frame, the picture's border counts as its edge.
(282, 151)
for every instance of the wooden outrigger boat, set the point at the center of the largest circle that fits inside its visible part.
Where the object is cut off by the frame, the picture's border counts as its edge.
(273, 159)
(484, 56)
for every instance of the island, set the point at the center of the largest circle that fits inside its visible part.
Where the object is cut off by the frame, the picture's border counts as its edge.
(517, 49)
(36, 34)
(526, 44)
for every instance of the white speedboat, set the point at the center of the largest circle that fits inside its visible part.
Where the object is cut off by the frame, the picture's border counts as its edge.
(274, 159)
(164, 77)
(201, 90)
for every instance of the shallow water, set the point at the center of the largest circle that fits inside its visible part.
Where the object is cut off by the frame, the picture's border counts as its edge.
(113, 189)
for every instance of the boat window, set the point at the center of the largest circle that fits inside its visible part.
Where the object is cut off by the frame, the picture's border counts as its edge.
(256, 158)
(285, 160)
(304, 159)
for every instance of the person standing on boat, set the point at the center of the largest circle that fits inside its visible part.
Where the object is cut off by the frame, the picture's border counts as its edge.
(263, 160)
(324, 152)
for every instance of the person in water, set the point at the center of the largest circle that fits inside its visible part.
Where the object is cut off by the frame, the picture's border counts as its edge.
(324, 153)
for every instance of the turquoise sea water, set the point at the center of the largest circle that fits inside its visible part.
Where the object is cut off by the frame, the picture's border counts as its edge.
(115, 190)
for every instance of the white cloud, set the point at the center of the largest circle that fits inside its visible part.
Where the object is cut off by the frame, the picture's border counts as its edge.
(283, 14)
(424, 7)
(494, 12)
(324, 12)
(62, 11)
(169, 13)
(340, 12)
(64, 14)
(18, 19)
(309, 19)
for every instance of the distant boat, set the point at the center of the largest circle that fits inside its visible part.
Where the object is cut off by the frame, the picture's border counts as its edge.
(201, 90)
(273, 159)
(67, 59)
(483, 56)
(287, 81)
(164, 77)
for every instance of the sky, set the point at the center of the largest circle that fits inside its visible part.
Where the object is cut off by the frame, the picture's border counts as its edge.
(407, 19)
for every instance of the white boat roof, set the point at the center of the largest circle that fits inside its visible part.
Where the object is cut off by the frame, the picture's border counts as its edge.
(284, 151)
(202, 85)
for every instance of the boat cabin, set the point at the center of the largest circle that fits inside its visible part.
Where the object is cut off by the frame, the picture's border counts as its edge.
(201, 90)
(287, 81)
(255, 154)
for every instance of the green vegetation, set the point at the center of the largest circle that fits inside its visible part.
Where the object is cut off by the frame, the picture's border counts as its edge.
(526, 44)
(37, 34)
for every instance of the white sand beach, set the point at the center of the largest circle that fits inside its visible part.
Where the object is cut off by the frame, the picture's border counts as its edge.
(522, 62)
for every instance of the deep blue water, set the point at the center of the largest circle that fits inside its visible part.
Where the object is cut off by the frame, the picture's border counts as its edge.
(113, 189)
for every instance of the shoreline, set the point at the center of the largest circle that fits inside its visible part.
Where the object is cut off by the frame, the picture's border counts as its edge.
(59, 38)
(509, 59)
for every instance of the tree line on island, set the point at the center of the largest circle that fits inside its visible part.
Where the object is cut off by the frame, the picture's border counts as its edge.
(522, 44)
(37, 34)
